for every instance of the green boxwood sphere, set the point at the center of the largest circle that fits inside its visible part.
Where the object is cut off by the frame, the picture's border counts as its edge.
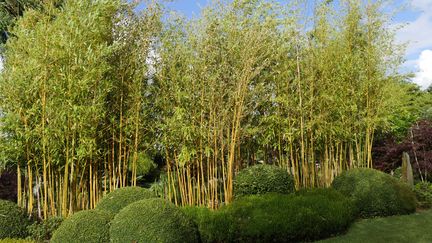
(116, 200)
(13, 220)
(375, 193)
(262, 178)
(152, 220)
(90, 226)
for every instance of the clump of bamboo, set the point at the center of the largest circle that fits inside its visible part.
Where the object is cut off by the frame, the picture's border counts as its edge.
(245, 83)
(73, 101)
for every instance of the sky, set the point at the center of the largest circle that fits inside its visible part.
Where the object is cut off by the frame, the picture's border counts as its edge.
(418, 33)
(416, 17)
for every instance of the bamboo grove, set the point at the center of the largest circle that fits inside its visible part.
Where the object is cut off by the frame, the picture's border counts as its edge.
(91, 89)
(73, 102)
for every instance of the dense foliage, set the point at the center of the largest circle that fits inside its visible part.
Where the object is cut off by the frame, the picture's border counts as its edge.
(260, 179)
(309, 215)
(90, 226)
(116, 200)
(43, 231)
(91, 88)
(376, 193)
(212, 225)
(13, 221)
(307, 101)
(423, 191)
(72, 101)
(417, 143)
(10, 11)
(152, 220)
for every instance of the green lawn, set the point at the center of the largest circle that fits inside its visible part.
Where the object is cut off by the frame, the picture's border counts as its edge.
(409, 228)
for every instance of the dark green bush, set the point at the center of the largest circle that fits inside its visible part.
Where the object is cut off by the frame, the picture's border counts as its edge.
(42, 231)
(376, 193)
(260, 179)
(90, 226)
(213, 226)
(13, 221)
(423, 191)
(152, 220)
(114, 201)
(305, 216)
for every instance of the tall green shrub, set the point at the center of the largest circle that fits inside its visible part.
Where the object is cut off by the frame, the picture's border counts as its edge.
(375, 193)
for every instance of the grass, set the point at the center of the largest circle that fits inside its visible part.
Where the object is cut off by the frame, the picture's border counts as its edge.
(395, 229)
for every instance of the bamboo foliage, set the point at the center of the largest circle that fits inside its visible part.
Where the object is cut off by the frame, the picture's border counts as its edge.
(208, 69)
(311, 103)
(89, 89)
(62, 68)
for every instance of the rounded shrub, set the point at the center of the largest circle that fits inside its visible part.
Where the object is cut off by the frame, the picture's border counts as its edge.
(13, 220)
(304, 216)
(262, 178)
(90, 226)
(116, 200)
(152, 220)
(375, 193)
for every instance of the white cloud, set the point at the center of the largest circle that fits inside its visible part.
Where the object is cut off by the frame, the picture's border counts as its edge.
(422, 4)
(418, 33)
(424, 76)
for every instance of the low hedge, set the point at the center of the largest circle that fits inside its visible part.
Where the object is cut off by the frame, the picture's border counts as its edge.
(90, 226)
(152, 220)
(13, 221)
(263, 178)
(212, 225)
(118, 199)
(375, 193)
(304, 216)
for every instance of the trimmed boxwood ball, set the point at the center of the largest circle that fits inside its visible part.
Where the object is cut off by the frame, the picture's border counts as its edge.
(152, 220)
(303, 216)
(263, 178)
(118, 199)
(375, 193)
(90, 226)
(13, 220)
